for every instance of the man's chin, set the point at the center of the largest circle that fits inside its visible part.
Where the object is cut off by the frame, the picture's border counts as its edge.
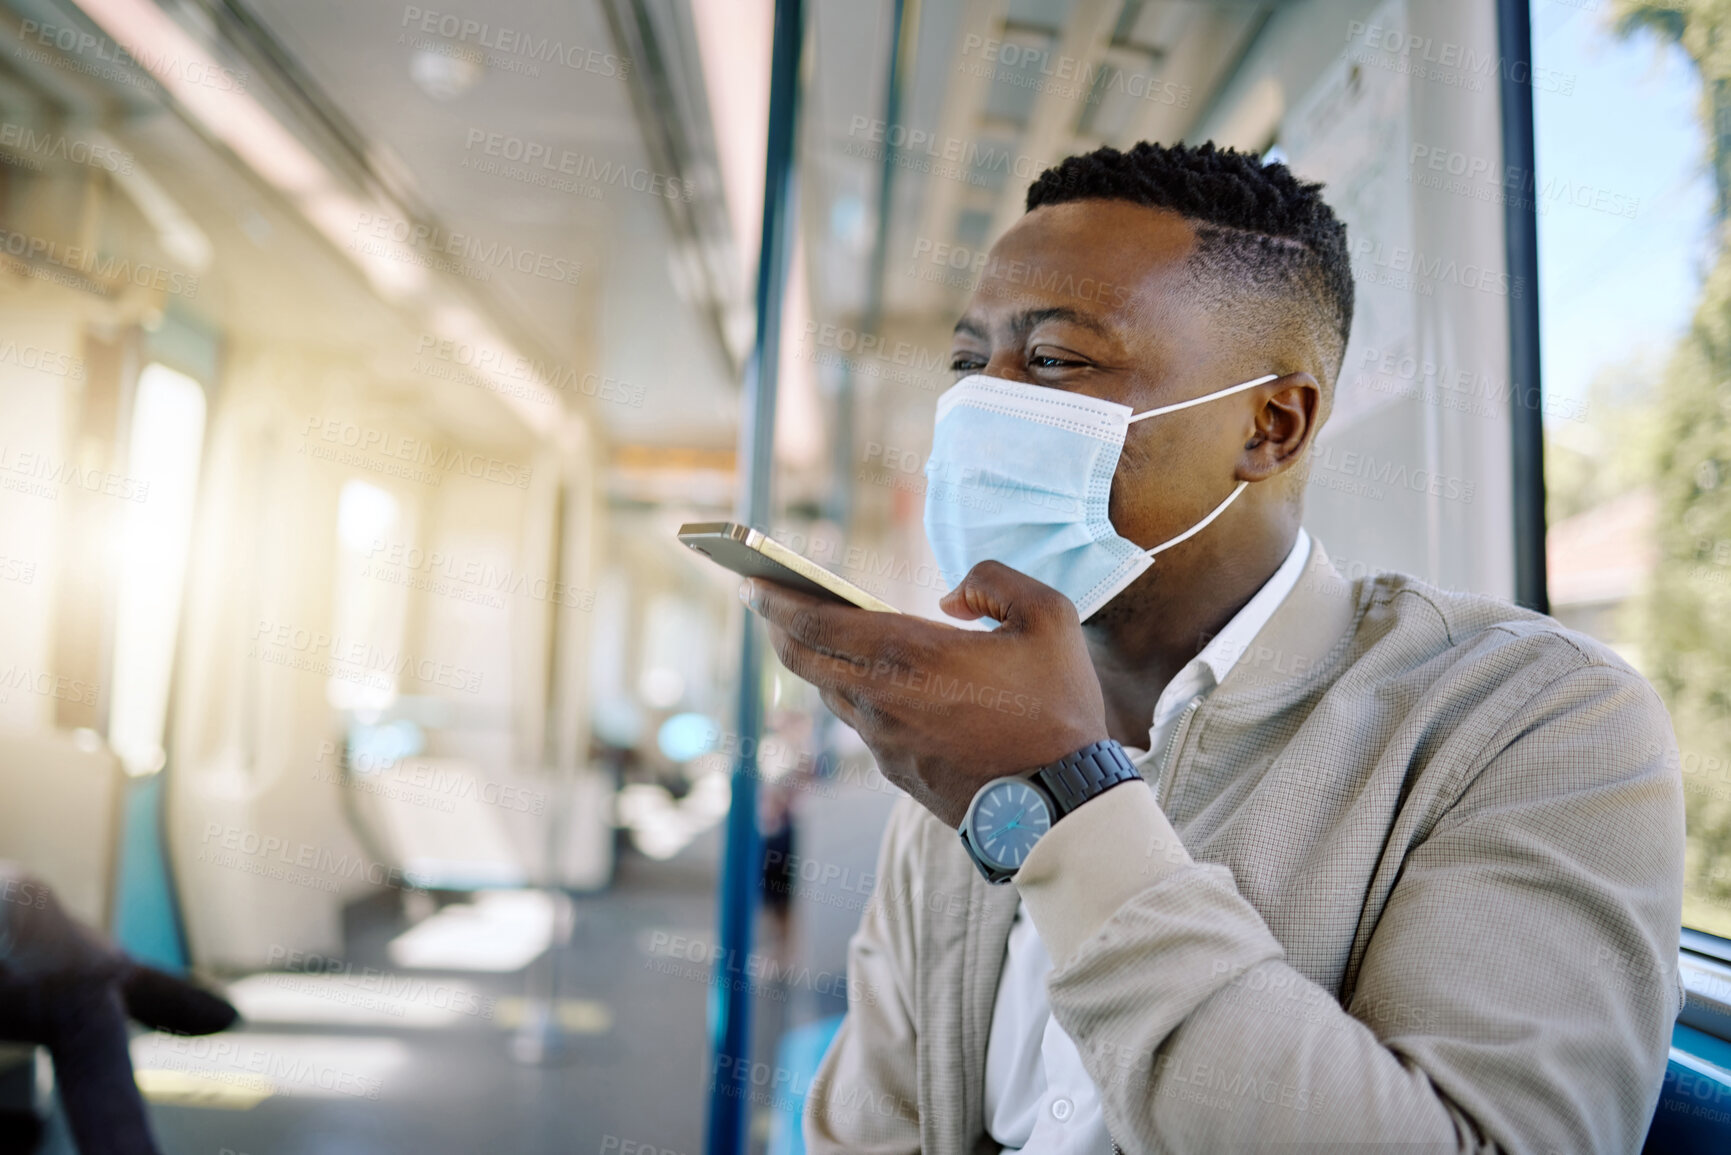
(1114, 613)
(1128, 605)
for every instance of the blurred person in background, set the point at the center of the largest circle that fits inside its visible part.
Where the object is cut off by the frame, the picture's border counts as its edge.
(65, 987)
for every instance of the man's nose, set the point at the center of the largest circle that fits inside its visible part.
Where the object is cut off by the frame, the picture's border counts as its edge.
(1008, 366)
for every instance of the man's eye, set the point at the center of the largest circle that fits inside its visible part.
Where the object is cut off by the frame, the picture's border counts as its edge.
(965, 362)
(1053, 361)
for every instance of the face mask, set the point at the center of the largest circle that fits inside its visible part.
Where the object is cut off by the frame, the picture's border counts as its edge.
(1022, 474)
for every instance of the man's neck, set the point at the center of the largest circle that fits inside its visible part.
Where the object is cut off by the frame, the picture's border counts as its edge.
(1139, 647)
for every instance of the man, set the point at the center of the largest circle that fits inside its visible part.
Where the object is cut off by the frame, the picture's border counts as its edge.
(1295, 863)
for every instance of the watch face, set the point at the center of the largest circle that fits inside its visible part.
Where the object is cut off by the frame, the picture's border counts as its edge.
(1008, 819)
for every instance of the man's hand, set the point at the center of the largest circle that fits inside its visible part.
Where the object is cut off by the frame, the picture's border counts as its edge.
(946, 710)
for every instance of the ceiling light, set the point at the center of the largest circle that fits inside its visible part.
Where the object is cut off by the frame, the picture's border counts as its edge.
(444, 77)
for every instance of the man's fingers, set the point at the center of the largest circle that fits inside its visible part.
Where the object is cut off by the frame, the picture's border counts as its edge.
(852, 646)
(812, 621)
(994, 590)
(823, 670)
(842, 693)
(864, 694)
(841, 708)
(894, 664)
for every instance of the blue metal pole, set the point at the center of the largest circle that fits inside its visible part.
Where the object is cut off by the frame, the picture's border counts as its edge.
(842, 482)
(742, 868)
(1521, 232)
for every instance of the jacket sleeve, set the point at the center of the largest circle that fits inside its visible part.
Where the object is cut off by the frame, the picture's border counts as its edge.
(864, 1098)
(1516, 995)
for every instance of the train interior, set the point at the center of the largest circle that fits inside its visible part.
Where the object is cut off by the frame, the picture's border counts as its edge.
(358, 363)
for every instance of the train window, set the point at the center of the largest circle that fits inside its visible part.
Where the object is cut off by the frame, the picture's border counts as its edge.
(163, 456)
(1630, 190)
(369, 612)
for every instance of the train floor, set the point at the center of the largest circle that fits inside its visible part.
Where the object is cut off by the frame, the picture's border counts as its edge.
(631, 1076)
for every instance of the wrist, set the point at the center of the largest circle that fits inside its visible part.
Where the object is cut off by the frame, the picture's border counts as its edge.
(1084, 774)
(1009, 815)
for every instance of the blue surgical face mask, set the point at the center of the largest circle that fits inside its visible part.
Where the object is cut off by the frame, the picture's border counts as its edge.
(1022, 474)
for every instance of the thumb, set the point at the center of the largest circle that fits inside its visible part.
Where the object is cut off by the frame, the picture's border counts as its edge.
(994, 590)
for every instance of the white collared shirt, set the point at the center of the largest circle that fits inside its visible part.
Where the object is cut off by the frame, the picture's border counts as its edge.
(1039, 1098)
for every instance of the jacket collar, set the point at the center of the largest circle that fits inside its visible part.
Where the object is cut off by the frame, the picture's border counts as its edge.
(1304, 638)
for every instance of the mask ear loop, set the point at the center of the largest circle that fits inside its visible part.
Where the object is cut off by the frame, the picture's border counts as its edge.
(1206, 397)
(1201, 525)
(1231, 497)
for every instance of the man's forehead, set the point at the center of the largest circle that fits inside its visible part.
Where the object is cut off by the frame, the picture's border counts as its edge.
(1024, 316)
(1093, 262)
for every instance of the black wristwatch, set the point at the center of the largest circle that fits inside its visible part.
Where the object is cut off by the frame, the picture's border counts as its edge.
(1008, 815)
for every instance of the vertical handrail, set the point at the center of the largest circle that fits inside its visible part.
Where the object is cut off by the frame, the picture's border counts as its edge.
(741, 870)
(871, 318)
(1521, 237)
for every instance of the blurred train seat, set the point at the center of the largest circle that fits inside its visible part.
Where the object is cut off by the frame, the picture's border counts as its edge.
(448, 824)
(62, 791)
(799, 1053)
(1694, 1111)
(443, 822)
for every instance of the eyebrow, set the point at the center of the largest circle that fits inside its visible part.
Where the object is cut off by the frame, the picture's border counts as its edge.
(1028, 319)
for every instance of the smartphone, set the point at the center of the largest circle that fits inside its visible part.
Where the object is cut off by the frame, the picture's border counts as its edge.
(752, 553)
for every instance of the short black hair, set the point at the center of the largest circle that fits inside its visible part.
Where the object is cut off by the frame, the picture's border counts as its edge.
(1261, 232)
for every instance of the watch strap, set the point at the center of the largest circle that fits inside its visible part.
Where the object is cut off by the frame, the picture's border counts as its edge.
(1088, 773)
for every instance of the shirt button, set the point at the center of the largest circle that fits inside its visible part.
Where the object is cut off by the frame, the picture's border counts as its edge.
(1061, 1109)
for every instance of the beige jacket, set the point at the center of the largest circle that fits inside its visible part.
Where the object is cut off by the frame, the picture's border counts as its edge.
(1424, 891)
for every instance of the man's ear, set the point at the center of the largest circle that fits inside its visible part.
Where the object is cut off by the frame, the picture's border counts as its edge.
(1283, 424)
